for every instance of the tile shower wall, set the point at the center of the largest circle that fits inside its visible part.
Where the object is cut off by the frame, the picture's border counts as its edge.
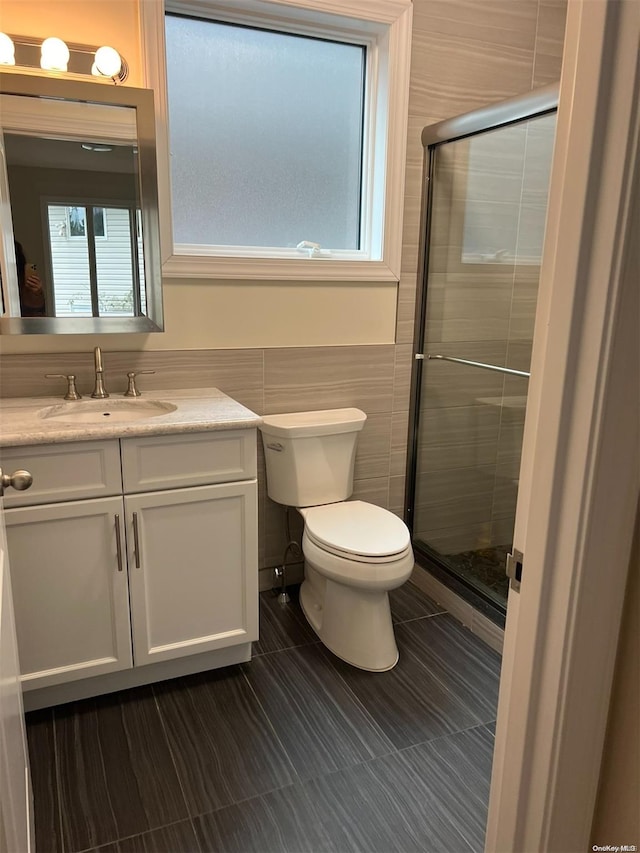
(464, 499)
(465, 53)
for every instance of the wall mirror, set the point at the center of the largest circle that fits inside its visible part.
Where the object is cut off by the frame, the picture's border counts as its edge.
(80, 244)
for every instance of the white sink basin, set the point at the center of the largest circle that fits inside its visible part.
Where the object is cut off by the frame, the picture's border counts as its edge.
(106, 411)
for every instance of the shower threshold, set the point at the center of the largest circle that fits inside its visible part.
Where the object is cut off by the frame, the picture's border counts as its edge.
(476, 576)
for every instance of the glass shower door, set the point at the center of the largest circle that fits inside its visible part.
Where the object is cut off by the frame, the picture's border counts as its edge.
(486, 217)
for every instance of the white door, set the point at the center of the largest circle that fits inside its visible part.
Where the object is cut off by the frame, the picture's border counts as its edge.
(193, 569)
(16, 812)
(579, 481)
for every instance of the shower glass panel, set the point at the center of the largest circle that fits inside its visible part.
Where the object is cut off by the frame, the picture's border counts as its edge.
(485, 221)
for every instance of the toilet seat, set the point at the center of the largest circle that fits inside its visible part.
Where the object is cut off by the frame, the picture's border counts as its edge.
(364, 574)
(360, 558)
(356, 530)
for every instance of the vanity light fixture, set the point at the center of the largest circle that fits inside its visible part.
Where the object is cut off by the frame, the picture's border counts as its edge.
(56, 56)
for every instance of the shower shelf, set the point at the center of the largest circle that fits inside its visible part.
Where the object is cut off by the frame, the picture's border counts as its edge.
(480, 364)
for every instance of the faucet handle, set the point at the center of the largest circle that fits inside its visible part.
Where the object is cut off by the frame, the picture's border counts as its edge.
(72, 391)
(132, 391)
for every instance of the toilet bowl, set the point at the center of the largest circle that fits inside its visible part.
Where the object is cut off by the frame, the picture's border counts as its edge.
(354, 552)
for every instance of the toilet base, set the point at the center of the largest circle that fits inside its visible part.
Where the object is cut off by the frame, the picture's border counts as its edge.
(353, 623)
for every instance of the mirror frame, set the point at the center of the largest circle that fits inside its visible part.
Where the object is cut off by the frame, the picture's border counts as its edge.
(141, 100)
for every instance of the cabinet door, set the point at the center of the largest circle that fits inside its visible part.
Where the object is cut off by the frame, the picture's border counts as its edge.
(194, 574)
(70, 591)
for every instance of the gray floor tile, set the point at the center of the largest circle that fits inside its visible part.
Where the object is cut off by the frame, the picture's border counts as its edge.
(457, 770)
(409, 602)
(283, 821)
(282, 626)
(463, 663)
(223, 745)
(383, 807)
(42, 760)
(409, 704)
(176, 838)
(296, 751)
(321, 724)
(116, 773)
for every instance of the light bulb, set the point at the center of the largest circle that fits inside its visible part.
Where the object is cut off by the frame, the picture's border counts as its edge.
(7, 50)
(54, 55)
(108, 61)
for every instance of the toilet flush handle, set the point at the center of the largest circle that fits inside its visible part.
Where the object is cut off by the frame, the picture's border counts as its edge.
(275, 445)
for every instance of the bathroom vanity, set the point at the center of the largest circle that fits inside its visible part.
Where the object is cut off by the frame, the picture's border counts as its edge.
(134, 555)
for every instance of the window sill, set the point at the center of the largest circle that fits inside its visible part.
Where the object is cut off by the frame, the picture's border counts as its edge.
(276, 269)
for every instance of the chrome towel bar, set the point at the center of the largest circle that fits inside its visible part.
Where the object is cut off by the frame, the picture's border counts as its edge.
(510, 371)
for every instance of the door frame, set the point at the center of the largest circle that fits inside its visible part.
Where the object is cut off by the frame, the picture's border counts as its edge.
(17, 827)
(580, 475)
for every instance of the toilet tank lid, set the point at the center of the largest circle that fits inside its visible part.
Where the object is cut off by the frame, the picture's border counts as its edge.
(325, 422)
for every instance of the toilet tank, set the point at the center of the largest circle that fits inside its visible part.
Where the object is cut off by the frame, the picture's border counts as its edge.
(310, 456)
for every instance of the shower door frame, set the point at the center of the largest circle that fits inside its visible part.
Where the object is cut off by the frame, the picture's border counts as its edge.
(535, 104)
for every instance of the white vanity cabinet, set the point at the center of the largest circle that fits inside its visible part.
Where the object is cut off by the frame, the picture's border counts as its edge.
(133, 552)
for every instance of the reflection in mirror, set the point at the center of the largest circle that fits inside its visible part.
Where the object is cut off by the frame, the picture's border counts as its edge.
(76, 217)
(79, 223)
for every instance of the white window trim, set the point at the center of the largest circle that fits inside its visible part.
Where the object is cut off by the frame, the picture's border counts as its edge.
(386, 27)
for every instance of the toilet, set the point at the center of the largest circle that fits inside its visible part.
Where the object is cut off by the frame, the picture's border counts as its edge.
(354, 552)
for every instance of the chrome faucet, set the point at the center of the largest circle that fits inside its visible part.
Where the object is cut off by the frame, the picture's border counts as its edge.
(99, 390)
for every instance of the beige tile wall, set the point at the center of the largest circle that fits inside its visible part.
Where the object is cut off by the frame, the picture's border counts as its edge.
(465, 53)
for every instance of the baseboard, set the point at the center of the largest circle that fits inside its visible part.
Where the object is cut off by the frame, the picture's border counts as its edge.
(460, 609)
(45, 697)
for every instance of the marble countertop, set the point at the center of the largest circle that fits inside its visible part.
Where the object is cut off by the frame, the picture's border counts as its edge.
(23, 420)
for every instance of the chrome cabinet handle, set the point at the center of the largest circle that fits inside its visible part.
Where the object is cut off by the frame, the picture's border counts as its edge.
(136, 540)
(19, 480)
(118, 543)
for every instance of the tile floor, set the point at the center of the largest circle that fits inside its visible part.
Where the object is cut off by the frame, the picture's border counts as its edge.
(295, 751)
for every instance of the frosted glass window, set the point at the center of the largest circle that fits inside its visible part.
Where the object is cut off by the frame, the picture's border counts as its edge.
(265, 136)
